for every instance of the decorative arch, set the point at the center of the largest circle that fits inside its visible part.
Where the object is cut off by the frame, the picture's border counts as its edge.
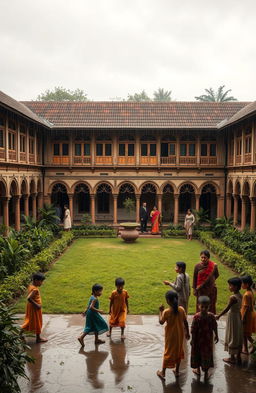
(81, 198)
(210, 185)
(24, 187)
(61, 182)
(168, 183)
(246, 189)
(237, 188)
(80, 182)
(126, 191)
(39, 185)
(230, 187)
(187, 188)
(186, 197)
(254, 190)
(32, 186)
(123, 186)
(246, 207)
(103, 182)
(104, 198)
(59, 197)
(151, 183)
(208, 199)
(168, 191)
(14, 187)
(148, 195)
(3, 188)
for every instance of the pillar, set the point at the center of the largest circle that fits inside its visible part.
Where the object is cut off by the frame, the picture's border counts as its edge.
(158, 150)
(137, 150)
(6, 211)
(137, 208)
(228, 205)
(26, 206)
(243, 213)
(159, 202)
(16, 199)
(115, 209)
(176, 209)
(92, 208)
(34, 206)
(197, 201)
(253, 214)
(47, 199)
(40, 200)
(71, 198)
(235, 209)
(220, 206)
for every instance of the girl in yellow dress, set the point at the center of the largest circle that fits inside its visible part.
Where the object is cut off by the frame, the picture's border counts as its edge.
(176, 321)
(248, 312)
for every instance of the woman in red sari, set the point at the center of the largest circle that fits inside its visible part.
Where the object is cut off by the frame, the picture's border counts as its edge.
(205, 274)
(155, 219)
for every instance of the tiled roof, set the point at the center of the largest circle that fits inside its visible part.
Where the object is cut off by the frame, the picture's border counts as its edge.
(134, 115)
(19, 107)
(244, 112)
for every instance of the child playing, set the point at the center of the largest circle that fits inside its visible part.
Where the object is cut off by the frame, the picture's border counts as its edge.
(234, 328)
(203, 326)
(175, 318)
(248, 313)
(118, 307)
(33, 318)
(95, 324)
(181, 285)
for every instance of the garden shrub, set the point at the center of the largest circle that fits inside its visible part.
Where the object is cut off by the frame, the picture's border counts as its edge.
(89, 231)
(168, 233)
(228, 256)
(243, 242)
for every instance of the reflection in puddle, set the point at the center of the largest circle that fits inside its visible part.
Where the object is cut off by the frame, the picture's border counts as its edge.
(94, 359)
(198, 386)
(119, 364)
(34, 369)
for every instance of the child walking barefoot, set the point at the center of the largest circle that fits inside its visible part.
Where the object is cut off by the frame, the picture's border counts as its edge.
(176, 321)
(118, 307)
(203, 326)
(33, 318)
(234, 328)
(95, 324)
(248, 313)
(181, 285)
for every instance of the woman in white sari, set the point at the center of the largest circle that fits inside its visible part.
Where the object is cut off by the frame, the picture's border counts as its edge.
(188, 224)
(67, 219)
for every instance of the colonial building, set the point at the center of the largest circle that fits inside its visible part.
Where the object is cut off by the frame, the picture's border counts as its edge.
(93, 155)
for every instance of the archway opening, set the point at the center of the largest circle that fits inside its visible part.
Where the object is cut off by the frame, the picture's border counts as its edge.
(246, 197)
(59, 197)
(239, 202)
(104, 203)
(168, 204)
(186, 198)
(13, 193)
(208, 200)
(126, 191)
(2, 195)
(81, 201)
(148, 195)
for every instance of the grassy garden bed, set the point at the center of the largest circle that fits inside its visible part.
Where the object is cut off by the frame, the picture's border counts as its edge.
(144, 265)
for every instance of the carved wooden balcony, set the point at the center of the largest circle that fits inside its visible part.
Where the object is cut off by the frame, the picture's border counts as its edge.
(2, 154)
(23, 156)
(123, 160)
(168, 160)
(247, 158)
(187, 160)
(82, 160)
(238, 159)
(12, 155)
(32, 158)
(208, 160)
(105, 160)
(61, 160)
(148, 160)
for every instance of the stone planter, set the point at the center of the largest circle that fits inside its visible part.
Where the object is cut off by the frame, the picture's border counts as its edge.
(129, 234)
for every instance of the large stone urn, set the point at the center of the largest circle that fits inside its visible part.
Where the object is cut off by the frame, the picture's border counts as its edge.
(130, 233)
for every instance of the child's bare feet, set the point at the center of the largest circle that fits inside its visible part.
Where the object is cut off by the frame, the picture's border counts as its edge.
(196, 371)
(81, 341)
(123, 337)
(108, 334)
(229, 360)
(176, 373)
(160, 375)
(99, 341)
(41, 340)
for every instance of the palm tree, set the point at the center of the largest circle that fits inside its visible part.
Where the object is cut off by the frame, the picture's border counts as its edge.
(48, 218)
(219, 96)
(139, 97)
(162, 95)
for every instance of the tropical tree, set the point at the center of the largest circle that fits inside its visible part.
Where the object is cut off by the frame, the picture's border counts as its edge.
(139, 97)
(12, 255)
(202, 216)
(216, 96)
(162, 95)
(61, 94)
(29, 222)
(220, 224)
(48, 217)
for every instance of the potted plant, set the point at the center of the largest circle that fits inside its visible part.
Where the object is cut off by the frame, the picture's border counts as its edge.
(129, 233)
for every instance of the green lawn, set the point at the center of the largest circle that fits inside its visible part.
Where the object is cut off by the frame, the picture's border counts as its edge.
(143, 265)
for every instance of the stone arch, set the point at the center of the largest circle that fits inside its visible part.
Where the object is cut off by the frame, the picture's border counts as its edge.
(246, 204)
(149, 182)
(59, 182)
(185, 183)
(81, 199)
(246, 188)
(14, 188)
(81, 182)
(238, 203)
(32, 187)
(14, 192)
(126, 190)
(39, 186)
(104, 201)
(208, 199)
(186, 197)
(24, 191)
(168, 191)
(230, 187)
(209, 183)
(237, 188)
(59, 197)
(149, 194)
(103, 182)
(166, 183)
(127, 182)
(24, 187)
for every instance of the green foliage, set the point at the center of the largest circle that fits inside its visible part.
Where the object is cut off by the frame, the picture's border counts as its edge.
(221, 224)
(29, 222)
(86, 219)
(139, 97)
(13, 351)
(219, 96)
(12, 256)
(162, 95)
(228, 256)
(95, 227)
(159, 95)
(129, 205)
(243, 242)
(94, 232)
(202, 217)
(61, 94)
(48, 218)
(35, 239)
(14, 285)
(175, 232)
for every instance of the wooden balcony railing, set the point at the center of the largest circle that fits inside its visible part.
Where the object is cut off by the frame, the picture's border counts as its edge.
(12, 155)
(106, 160)
(79, 160)
(168, 160)
(123, 160)
(208, 160)
(148, 160)
(248, 158)
(23, 156)
(32, 158)
(187, 160)
(61, 160)
(2, 154)
(238, 159)
(230, 160)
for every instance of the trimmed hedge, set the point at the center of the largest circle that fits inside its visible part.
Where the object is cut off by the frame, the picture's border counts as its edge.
(168, 233)
(92, 232)
(14, 286)
(228, 256)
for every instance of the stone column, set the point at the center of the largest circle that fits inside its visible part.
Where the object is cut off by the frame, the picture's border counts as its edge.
(16, 199)
(40, 200)
(228, 205)
(253, 213)
(6, 211)
(93, 149)
(198, 151)
(92, 208)
(220, 205)
(138, 208)
(137, 150)
(158, 150)
(115, 209)
(235, 209)
(26, 206)
(115, 150)
(178, 151)
(159, 202)
(243, 212)
(34, 206)
(176, 209)
(197, 201)
(70, 198)
(47, 199)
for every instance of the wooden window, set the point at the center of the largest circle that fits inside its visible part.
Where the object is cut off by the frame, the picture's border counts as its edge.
(22, 143)
(65, 149)
(56, 149)
(103, 149)
(208, 149)
(248, 144)
(11, 140)
(31, 146)
(87, 149)
(108, 149)
(187, 149)
(144, 149)
(99, 149)
(121, 149)
(239, 146)
(126, 149)
(1, 137)
(130, 149)
(12, 124)
(78, 149)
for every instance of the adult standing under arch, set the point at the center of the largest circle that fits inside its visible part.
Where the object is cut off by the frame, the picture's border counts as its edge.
(143, 217)
(205, 274)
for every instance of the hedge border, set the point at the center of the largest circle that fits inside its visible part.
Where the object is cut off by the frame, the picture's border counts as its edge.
(94, 233)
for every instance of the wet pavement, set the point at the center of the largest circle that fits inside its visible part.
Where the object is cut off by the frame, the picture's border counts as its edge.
(63, 367)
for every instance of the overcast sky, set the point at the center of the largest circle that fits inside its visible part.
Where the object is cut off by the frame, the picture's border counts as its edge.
(110, 48)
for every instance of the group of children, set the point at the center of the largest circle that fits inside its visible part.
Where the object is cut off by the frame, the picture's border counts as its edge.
(241, 320)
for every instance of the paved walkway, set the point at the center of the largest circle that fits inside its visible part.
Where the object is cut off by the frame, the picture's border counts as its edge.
(129, 366)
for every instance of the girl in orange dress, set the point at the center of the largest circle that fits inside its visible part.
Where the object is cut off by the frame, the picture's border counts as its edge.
(248, 312)
(118, 307)
(176, 321)
(33, 318)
